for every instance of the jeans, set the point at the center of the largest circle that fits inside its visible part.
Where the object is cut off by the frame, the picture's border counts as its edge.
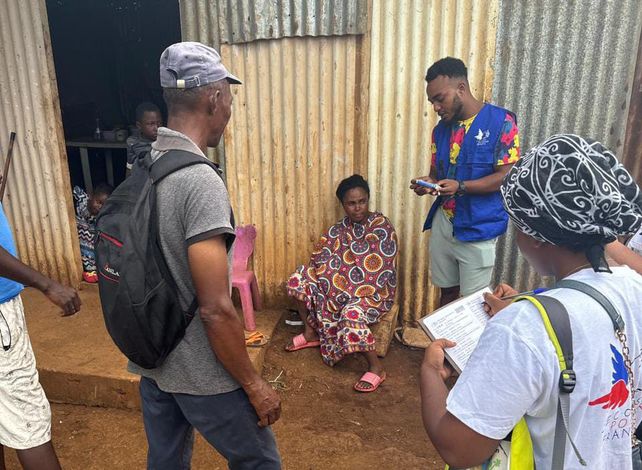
(227, 421)
(637, 458)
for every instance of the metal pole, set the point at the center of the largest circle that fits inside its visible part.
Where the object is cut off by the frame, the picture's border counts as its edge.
(7, 164)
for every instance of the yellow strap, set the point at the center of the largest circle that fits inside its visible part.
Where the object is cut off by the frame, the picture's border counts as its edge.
(549, 328)
(521, 447)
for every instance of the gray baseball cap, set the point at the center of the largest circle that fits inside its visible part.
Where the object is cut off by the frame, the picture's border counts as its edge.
(192, 64)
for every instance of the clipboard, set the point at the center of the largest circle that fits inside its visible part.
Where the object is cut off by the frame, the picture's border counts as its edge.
(462, 321)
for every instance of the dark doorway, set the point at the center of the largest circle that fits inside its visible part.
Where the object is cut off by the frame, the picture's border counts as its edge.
(106, 58)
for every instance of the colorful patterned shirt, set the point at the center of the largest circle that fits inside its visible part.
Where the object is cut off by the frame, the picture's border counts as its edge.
(507, 150)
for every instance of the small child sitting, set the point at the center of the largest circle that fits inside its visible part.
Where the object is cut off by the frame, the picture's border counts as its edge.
(87, 208)
(148, 120)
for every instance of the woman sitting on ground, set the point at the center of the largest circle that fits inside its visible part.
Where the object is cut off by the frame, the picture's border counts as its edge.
(348, 284)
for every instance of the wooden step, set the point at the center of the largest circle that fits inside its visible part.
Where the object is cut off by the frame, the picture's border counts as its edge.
(77, 361)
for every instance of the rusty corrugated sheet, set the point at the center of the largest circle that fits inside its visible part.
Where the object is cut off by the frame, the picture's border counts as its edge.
(250, 20)
(408, 36)
(563, 67)
(290, 140)
(38, 200)
(218, 22)
(214, 22)
(199, 21)
(632, 152)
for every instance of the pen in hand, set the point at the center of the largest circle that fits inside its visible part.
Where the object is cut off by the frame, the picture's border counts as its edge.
(530, 292)
(428, 185)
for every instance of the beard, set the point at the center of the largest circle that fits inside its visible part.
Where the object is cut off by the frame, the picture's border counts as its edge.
(458, 109)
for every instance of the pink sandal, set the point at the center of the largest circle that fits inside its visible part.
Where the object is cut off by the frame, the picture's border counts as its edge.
(372, 379)
(299, 342)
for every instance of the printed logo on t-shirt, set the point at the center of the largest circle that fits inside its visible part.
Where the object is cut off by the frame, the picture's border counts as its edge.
(618, 422)
(618, 394)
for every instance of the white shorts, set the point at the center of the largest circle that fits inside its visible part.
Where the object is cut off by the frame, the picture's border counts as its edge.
(468, 265)
(25, 416)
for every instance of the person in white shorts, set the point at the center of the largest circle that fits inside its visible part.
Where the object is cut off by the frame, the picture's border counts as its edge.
(25, 416)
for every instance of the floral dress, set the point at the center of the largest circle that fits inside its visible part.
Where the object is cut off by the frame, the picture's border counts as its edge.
(348, 284)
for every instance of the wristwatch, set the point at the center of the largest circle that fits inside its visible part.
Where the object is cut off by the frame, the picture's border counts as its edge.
(462, 188)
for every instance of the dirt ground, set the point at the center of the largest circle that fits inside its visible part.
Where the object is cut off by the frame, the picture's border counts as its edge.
(325, 425)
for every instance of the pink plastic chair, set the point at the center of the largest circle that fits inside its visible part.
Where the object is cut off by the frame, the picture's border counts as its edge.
(242, 279)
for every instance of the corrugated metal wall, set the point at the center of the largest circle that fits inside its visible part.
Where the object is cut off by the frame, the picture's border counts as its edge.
(407, 36)
(564, 67)
(291, 137)
(290, 140)
(251, 20)
(38, 200)
(238, 21)
(301, 123)
(199, 22)
(632, 152)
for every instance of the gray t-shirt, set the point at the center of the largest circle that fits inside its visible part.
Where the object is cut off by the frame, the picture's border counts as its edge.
(193, 205)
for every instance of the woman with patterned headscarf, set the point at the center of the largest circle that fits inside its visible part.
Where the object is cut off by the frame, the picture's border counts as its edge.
(568, 198)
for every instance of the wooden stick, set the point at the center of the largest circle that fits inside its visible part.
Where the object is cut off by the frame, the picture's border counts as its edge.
(7, 164)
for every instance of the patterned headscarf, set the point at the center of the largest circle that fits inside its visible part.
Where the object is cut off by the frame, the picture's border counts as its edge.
(572, 192)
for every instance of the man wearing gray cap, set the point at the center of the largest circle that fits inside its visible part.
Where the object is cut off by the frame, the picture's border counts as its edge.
(207, 382)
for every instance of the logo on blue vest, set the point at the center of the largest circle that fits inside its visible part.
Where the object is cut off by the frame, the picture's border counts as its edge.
(482, 137)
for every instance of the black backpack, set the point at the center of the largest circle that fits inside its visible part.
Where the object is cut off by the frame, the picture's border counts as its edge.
(139, 297)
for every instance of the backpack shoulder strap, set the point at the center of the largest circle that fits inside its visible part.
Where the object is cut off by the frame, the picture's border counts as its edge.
(558, 327)
(616, 318)
(175, 160)
(167, 164)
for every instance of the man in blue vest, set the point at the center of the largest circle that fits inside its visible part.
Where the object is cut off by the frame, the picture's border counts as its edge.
(474, 145)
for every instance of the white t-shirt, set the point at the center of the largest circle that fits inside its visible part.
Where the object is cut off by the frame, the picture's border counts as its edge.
(514, 372)
(635, 243)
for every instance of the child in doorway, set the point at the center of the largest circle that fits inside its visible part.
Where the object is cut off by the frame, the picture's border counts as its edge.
(148, 120)
(87, 208)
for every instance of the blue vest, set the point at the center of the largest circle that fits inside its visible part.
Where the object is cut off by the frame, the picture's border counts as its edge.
(478, 217)
(8, 288)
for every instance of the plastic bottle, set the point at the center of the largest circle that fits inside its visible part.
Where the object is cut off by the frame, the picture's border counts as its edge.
(98, 134)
